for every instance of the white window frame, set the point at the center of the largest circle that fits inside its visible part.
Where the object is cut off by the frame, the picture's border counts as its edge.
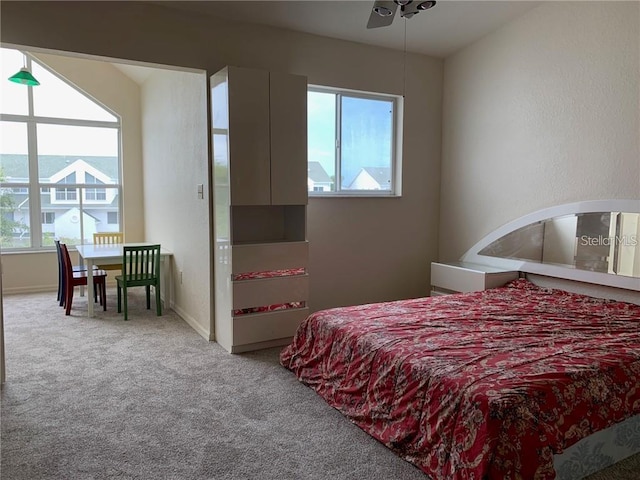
(396, 144)
(35, 186)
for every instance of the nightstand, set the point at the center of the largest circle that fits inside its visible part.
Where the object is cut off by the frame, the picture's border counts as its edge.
(455, 277)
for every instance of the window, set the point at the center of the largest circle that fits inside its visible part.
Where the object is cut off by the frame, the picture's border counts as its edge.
(94, 193)
(59, 160)
(67, 193)
(48, 218)
(351, 143)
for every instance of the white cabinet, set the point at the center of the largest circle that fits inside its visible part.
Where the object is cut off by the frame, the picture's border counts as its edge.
(288, 135)
(260, 118)
(260, 201)
(458, 277)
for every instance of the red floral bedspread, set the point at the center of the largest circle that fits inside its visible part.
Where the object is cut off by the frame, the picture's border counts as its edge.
(485, 385)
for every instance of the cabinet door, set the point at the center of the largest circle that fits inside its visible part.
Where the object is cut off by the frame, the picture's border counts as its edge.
(288, 96)
(249, 136)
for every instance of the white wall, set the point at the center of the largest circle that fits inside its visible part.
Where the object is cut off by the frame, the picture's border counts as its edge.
(361, 249)
(544, 111)
(174, 126)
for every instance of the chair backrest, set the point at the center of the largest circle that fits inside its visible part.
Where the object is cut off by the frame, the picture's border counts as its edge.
(108, 238)
(60, 271)
(67, 269)
(59, 257)
(141, 261)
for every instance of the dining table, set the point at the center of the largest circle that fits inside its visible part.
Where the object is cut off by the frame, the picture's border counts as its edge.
(93, 254)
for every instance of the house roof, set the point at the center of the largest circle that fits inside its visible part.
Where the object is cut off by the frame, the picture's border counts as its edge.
(382, 175)
(317, 173)
(17, 166)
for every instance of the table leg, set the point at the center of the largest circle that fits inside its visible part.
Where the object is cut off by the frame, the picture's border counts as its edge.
(82, 265)
(90, 286)
(168, 281)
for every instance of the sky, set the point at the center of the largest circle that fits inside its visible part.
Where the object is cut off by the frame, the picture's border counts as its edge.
(52, 98)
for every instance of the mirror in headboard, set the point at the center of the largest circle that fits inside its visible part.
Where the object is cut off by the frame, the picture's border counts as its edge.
(596, 242)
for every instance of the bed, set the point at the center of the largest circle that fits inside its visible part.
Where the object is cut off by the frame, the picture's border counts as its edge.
(490, 384)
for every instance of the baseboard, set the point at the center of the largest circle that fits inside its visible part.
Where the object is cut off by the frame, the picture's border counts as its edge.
(191, 321)
(30, 289)
(44, 288)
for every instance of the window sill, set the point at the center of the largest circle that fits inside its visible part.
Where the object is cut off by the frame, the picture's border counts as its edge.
(354, 195)
(28, 251)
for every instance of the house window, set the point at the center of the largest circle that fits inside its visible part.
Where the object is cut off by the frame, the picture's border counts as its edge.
(112, 218)
(352, 141)
(94, 193)
(59, 159)
(63, 194)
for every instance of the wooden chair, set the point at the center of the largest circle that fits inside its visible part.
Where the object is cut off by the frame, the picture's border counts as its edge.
(140, 267)
(108, 238)
(73, 279)
(61, 276)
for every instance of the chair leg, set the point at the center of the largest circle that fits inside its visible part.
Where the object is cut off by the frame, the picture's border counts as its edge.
(103, 295)
(126, 311)
(68, 299)
(148, 289)
(119, 299)
(60, 285)
(63, 292)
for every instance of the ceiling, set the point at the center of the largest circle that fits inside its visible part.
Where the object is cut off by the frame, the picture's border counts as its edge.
(439, 32)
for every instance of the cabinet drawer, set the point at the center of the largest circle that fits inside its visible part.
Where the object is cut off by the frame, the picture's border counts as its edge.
(269, 291)
(269, 256)
(261, 327)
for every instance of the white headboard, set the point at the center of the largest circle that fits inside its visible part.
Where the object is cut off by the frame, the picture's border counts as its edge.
(558, 271)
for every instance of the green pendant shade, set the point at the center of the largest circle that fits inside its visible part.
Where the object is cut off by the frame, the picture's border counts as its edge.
(25, 78)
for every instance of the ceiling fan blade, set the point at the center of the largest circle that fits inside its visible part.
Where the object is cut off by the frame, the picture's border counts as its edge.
(381, 20)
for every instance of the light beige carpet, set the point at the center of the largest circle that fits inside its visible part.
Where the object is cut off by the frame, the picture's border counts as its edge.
(150, 399)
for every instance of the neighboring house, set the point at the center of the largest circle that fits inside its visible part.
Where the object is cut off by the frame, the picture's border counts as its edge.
(60, 215)
(372, 178)
(317, 178)
(66, 224)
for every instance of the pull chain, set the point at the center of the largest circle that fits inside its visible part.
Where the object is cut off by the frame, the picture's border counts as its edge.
(404, 62)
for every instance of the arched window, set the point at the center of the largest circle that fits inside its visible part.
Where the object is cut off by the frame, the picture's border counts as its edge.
(50, 135)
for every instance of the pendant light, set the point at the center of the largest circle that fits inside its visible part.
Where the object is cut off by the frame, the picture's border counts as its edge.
(24, 76)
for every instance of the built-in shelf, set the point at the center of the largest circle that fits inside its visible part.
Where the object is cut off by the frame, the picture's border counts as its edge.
(268, 223)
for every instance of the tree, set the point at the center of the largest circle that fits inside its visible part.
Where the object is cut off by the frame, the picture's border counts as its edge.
(8, 226)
